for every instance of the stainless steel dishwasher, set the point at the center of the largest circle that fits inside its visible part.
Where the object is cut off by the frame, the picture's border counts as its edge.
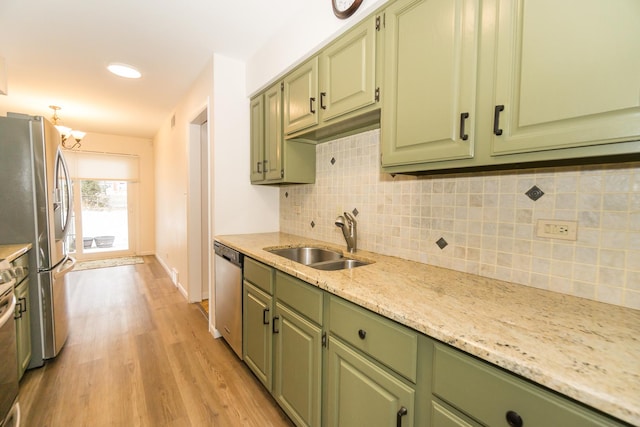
(228, 304)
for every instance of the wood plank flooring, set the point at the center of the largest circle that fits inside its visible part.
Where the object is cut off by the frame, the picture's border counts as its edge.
(139, 355)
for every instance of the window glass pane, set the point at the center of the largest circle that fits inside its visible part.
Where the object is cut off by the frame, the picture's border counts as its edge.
(104, 216)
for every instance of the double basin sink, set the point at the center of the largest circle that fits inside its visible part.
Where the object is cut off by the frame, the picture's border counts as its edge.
(318, 258)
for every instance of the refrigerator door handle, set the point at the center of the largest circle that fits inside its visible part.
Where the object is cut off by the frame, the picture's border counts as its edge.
(64, 267)
(58, 197)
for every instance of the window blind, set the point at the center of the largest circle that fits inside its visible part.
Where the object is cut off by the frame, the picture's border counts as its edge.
(102, 166)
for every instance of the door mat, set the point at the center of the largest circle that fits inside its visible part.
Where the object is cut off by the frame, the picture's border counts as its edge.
(111, 262)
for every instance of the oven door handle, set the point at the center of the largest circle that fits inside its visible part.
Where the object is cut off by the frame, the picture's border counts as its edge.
(65, 267)
(9, 312)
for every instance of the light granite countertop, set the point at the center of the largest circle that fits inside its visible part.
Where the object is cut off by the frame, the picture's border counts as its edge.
(11, 252)
(586, 350)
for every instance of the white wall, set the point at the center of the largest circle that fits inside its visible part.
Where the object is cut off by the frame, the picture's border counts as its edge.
(311, 29)
(238, 206)
(143, 148)
(172, 177)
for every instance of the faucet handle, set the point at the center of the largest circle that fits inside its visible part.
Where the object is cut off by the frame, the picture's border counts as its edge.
(350, 218)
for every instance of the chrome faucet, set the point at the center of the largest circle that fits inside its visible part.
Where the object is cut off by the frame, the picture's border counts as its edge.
(347, 224)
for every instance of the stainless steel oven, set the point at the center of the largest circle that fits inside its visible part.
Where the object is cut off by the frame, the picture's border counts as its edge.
(9, 410)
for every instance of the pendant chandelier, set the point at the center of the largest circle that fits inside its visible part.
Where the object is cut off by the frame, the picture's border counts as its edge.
(66, 132)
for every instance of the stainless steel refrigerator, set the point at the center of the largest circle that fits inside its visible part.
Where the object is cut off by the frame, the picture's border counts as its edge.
(35, 207)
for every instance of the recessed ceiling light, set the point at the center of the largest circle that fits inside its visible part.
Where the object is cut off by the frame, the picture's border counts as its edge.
(124, 70)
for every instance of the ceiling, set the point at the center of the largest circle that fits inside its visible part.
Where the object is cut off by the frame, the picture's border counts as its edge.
(56, 53)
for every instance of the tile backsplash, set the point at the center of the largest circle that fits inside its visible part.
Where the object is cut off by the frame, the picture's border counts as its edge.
(481, 223)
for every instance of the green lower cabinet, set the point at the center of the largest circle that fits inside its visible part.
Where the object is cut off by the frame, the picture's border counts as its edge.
(297, 366)
(492, 396)
(441, 416)
(360, 393)
(23, 327)
(257, 337)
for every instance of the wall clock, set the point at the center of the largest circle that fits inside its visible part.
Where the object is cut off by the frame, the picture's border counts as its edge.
(345, 8)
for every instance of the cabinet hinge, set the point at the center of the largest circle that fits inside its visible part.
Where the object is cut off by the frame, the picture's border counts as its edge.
(282, 86)
(324, 339)
(281, 173)
(378, 23)
(377, 95)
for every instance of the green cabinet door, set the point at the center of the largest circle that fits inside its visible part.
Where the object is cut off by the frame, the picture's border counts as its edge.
(301, 97)
(348, 72)
(567, 74)
(431, 49)
(257, 138)
(257, 339)
(23, 327)
(362, 394)
(443, 417)
(273, 133)
(297, 366)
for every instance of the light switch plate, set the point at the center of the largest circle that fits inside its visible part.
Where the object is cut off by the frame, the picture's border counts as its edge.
(557, 229)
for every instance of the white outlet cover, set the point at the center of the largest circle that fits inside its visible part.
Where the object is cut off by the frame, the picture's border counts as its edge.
(557, 229)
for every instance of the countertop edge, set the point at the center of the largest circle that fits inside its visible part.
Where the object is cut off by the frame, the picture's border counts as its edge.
(13, 251)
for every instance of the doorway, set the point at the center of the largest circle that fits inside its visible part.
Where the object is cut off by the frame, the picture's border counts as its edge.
(199, 232)
(104, 207)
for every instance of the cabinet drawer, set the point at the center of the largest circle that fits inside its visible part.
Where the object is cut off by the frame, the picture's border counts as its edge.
(389, 343)
(259, 274)
(299, 295)
(487, 394)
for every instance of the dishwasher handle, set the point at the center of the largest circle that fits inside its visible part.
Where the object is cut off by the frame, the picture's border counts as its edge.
(228, 254)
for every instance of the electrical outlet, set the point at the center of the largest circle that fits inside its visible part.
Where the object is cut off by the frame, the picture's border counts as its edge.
(557, 229)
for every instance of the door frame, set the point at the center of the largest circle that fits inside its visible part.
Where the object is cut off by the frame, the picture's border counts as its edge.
(198, 239)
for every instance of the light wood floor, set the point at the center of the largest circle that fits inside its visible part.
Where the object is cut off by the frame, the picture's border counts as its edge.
(139, 355)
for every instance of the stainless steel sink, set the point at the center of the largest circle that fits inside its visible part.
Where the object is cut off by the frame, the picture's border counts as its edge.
(340, 264)
(307, 255)
(318, 258)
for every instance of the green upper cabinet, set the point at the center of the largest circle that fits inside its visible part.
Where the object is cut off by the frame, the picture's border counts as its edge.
(273, 133)
(431, 49)
(301, 97)
(567, 74)
(337, 91)
(274, 160)
(257, 138)
(348, 72)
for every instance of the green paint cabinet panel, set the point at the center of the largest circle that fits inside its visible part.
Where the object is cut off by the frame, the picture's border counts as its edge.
(298, 366)
(567, 74)
(23, 326)
(348, 72)
(362, 394)
(259, 275)
(257, 338)
(274, 160)
(301, 97)
(273, 133)
(431, 49)
(304, 298)
(487, 394)
(257, 138)
(444, 417)
(394, 345)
